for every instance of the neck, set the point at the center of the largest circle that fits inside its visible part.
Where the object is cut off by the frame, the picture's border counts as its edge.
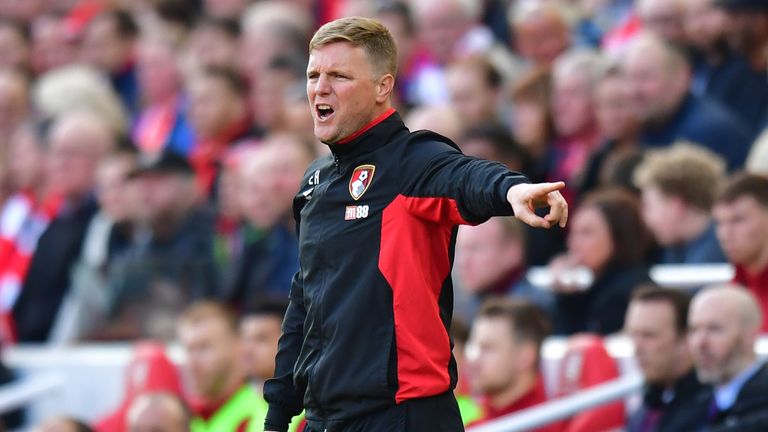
(679, 370)
(224, 389)
(743, 365)
(693, 225)
(760, 263)
(509, 395)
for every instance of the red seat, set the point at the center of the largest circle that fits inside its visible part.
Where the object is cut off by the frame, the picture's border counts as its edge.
(585, 364)
(150, 370)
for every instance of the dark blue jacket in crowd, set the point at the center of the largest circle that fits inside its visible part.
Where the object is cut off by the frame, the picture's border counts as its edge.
(703, 249)
(734, 84)
(707, 123)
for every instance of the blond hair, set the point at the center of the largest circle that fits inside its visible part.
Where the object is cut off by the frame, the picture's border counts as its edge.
(367, 33)
(684, 170)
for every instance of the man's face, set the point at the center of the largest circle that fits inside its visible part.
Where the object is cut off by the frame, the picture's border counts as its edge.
(484, 255)
(742, 228)
(572, 104)
(541, 39)
(103, 47)
(661, 213)
(259, 336)
(71, 162)
(212, 355)
(716, 340)
(664, 18)
(213, 106)
(161, 195)
(472, 98)
(651, 326)
(656, 90)
(342, 90)
(493, 356)
(613, 109)
(705, 24)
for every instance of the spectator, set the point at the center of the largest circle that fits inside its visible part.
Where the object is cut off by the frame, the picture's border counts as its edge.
(718, 71)
(678, 186)
(664, 18)
(220, 398)
(757, 162)
(660, 80)
(268, 94)
(158, 412)
(215, 43)
(474, 86)
(443, 119)
(268, 180)
(14, 45)
(108, 44)
(108, 236)
(494, 142)
(260, 328)
(619, 128)
(171, 263)
(272, 28)
(506, 339)
(396, 15)
(218, 113)
(52, 46)
(741, 216)
(231, 9)
(748, 31)
(451, 30)
(78, 88)
(541, 31)
(575, 75)
(77, 143)
(531, 120)
(673, 398)
(14, 105)
(162, 123)
(490, 261)
(62, 424)
(724, 324)
(609, 241)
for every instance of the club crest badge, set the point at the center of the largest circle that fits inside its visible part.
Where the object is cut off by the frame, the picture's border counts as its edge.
(361, 179)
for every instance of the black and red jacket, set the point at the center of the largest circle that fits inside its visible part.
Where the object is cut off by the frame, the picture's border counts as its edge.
(367, 325)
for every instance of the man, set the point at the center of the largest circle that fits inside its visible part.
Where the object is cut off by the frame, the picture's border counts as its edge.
(748, 31)
(541, 31)
(158, 412)
(719, 71)
(504, 347)
(77, 142)
(678, 186)
(259, 334)
(490, 261)
(108, 44)
(171, 263)
(659, 76)
(220, 398)
(657, 322)
(474, 86)
(365, 338)
(663, 17)
(724, 323)
(741, 215)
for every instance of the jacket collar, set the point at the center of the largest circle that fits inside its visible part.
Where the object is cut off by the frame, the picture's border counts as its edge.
(370, 137)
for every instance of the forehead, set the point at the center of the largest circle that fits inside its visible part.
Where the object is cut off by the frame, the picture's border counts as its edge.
(651, 313)
(492, 328)
(337, 56)
(744, 205)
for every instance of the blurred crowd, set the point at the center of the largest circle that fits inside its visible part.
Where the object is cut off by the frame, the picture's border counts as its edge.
(150, 151)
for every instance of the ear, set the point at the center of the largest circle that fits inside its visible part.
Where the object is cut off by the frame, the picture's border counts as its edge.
(384, 88)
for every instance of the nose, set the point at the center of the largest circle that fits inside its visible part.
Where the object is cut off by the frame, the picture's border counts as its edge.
(322, 85)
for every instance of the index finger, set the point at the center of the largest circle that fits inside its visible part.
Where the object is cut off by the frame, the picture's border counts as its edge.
(545, 188)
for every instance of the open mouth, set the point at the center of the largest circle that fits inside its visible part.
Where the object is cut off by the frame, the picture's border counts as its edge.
(324, 111)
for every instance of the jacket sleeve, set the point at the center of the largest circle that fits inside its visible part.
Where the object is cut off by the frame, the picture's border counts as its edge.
(467, 190)
(285, 400)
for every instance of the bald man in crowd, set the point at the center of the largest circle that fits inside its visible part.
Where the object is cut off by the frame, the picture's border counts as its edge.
(660, 78)
(77, 142)
(158, 412)
(724, 322)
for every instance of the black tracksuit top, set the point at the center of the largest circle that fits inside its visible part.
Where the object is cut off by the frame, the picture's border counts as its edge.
(367, 324)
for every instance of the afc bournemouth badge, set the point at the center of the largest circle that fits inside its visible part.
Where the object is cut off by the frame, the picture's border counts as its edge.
(361, 179)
